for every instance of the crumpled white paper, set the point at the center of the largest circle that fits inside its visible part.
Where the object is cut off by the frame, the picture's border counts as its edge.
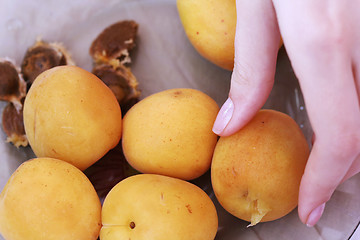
(165, 59)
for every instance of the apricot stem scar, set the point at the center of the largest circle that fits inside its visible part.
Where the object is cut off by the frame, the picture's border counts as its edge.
(132, 225)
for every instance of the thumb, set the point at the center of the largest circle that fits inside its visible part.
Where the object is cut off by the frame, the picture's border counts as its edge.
(256, 46)
(326, 168)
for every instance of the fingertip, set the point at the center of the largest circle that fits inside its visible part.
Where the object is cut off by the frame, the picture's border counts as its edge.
(232, 116)
(315, 215)
(312, 200)
(224, 116)
(316, 188)
(241, 116)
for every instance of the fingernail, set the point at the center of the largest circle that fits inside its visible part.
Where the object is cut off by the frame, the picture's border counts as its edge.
(315, 215)
(223, 117)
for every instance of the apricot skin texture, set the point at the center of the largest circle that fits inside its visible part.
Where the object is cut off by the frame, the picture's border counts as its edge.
(156, 207)
(170, 133)
(49, 199)
(71, 115)
(210, 27)
(256, 172)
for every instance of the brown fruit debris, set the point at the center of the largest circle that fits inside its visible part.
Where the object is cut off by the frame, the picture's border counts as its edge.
(110, 52)
(122, 83)
(12, 122)
(108, 171)
(38, 58)
(115, 42)
(43, 56)
(13, 86)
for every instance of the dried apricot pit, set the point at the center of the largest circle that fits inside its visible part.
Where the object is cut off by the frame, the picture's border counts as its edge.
(12, 122)
(43, 56)
(13, 87)
(115, 42)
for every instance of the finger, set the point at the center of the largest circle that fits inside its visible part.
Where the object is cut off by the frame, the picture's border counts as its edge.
(355, 167)
(354, 24)
(332, 103)
(321, 60)
(353, 170)
(256, 46)
(356, 72)
(324, 172)
(313, 139)
(334, 114)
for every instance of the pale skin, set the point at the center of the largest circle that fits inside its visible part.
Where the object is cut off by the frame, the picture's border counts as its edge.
(322, 39)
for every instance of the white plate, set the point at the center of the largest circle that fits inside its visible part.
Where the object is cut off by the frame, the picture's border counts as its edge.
(164, 59)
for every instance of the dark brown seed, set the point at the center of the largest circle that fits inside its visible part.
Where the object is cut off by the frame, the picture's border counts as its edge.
(115, 42)
(12, 85)
(12, 122)
(122, 83)
(41, 57)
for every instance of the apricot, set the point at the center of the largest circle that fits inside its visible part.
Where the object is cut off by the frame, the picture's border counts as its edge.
(256, 172)
(71, 115)
(169, 133)
(210, 27)
(156, 207)
(49, 199)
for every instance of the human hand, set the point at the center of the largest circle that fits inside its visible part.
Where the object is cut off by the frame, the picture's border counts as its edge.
(322, 39)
